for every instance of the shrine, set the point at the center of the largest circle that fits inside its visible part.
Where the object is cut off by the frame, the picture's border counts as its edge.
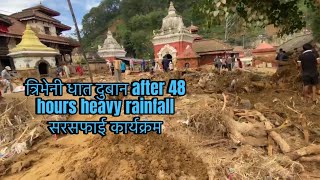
(267, 52)
(173, 37)
(177, 43)
(30, 54)
(111, 49)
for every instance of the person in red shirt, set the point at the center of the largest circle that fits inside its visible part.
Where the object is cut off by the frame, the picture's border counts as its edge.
(79, 70)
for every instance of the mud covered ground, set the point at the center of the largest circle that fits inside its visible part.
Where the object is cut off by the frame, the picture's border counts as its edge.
(195, 144)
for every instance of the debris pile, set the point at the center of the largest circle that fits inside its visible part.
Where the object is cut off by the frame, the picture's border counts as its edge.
(130, 156)
(18, 129)
(276, 141)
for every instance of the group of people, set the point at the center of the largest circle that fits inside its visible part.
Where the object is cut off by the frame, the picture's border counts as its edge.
(228, 63)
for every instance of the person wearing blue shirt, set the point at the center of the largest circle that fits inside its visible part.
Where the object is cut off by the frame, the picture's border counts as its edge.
(123, 67)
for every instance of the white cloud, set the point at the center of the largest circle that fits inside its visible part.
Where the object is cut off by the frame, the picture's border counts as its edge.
(91, 3)
(12, 6)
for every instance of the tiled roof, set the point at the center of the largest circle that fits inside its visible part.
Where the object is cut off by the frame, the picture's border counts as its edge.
(34, 14)
(4, 19)
(44, 9)
(264, 47)
(188, 53)
(210, 45)
(17, 29)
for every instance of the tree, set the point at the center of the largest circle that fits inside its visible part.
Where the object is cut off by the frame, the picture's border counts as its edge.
(284, 14)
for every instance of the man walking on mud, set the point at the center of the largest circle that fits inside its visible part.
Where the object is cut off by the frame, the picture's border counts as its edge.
(310, 74)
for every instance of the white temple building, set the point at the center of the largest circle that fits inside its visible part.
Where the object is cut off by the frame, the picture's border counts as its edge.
(111, 49)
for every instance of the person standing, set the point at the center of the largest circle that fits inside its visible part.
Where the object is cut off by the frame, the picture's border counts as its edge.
(59, 71)
(233, 61)
(79, 70)
(143, 65)
(153, 63)
(131, 64)
(165, 64)
(66, 71)
(310, 74)
(123, 69)
(117, 70)
(112, 69)
(170, 66)
(7, 78)
(229, 63)
(239, 63)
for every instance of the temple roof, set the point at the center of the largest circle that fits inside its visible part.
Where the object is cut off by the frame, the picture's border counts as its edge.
(110, 47)
(172, 20)
(110, 42)
(264, 47)
(5, 19)
(210, 45)
(17, 28)
(188, 53)
(40, 13)
(30, 42)
(44, 10)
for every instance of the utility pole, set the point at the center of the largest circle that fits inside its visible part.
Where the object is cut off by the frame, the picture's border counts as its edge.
(79, 38)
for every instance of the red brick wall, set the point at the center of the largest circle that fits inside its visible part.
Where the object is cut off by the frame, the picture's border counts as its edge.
(193, 63)
(111, 59)
(179, 46)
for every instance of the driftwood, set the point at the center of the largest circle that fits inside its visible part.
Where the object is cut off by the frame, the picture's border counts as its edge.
(310, 159)
(284, 146)
(238, 131)
(305, 151)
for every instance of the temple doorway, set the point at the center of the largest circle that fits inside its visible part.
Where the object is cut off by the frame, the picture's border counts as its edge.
(168, 56)
(43, 69)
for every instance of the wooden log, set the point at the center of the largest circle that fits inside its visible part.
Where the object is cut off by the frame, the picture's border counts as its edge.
(236, 129)
(284, 146)
(305, 151)
(315, 158)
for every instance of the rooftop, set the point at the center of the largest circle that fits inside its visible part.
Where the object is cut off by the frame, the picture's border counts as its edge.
(264, 47)
(44, 10)
(188, 53)
(210, 45)
(40, 13)
(17, 28)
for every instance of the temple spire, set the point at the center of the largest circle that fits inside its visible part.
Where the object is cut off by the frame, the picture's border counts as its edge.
(172, 9)
(30, 42)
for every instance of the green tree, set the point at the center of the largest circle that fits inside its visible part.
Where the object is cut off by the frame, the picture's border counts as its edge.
(284, 14)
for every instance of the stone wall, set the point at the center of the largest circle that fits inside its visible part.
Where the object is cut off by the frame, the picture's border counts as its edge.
(38, 27)
(26, 63)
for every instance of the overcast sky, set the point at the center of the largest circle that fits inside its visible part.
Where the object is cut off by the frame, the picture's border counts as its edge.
(81, 7)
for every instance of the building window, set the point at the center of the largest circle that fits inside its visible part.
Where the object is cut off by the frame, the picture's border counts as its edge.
(47, 30)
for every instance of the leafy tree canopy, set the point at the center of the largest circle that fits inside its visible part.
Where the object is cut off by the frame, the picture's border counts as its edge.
(284, 14)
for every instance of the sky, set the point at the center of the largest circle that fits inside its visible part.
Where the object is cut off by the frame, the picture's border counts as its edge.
(80, 7)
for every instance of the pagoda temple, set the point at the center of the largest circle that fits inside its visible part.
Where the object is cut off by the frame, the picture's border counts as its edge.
(176, 42)
(31, 55)
(42, 22)
(111, 49)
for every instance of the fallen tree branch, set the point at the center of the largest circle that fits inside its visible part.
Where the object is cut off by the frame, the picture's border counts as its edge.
(284, 146)
(305, 151)
(310, 159)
